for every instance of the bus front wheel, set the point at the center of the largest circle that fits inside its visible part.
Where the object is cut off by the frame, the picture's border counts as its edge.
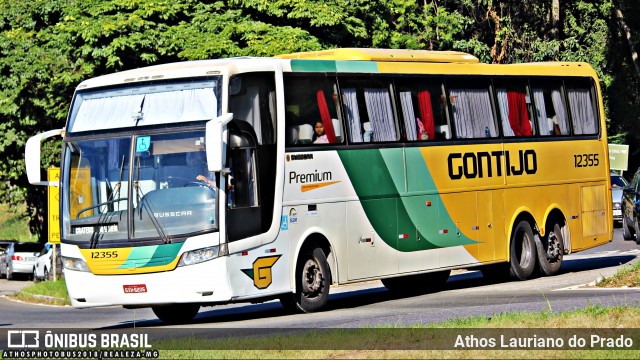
(313, 279)
(523, 251)
(176, 313)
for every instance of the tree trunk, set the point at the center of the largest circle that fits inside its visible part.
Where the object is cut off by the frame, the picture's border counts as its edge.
(627, 33)
(555, 19)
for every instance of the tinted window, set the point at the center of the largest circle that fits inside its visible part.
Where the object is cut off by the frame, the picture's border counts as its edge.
(550, 108)
(423, 109)
(515, 108)
(583, 110)
(311, 111)
(368, 110)
(472, 109)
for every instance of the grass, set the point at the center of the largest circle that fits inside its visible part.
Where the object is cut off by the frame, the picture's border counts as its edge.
(46, 292)
(627, 275)
(14, 223)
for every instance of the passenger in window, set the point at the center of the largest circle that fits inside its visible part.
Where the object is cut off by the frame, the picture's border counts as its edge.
(319, 136)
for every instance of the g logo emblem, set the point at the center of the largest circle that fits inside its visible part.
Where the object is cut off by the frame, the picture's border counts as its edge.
(261, 272)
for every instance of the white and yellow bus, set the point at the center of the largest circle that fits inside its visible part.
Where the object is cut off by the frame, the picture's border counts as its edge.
(247, 179)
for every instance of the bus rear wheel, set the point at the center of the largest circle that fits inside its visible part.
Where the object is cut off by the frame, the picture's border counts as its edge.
(523, 251)
(313, 278)
(551, 251)
(176, 313)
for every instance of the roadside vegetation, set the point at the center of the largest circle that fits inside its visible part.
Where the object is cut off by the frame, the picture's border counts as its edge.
(627, 275)
(45, 292)
(14, 223)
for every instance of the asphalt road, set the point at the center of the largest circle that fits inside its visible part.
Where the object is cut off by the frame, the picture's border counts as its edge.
(369, 304)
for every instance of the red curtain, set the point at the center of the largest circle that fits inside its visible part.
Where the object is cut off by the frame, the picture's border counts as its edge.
(426, 113)
(325, 116)
(518, 114)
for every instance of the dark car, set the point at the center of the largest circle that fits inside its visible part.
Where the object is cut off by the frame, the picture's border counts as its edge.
(631, 209)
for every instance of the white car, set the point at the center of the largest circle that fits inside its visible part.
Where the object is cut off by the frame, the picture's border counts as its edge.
(19, 258)
(43, 269)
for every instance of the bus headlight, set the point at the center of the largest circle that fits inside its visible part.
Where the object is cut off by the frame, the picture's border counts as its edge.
(201, 255)
(74, 264)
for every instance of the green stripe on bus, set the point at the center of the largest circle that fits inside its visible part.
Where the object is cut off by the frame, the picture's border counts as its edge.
(331, 66)
(401, 220)
(156, 255)
(313, 66)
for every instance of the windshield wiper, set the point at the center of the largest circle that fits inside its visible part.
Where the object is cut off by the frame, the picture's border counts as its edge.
(147, 206)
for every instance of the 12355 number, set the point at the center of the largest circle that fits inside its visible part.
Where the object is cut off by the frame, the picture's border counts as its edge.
(586, 160)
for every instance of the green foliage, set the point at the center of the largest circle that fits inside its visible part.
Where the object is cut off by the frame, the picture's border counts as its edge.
(46, 292)
(48, 47)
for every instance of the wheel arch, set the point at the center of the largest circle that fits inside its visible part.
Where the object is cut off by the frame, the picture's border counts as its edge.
(554, 214)
(523, 213)
(315, 237)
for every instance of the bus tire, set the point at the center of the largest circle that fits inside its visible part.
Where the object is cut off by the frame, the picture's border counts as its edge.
(550, 251)
(313, 279)
(627, 234)
(176, 313)
(417, 283)
(523, 251)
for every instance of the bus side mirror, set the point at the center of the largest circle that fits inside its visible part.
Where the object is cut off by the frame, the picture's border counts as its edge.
(216, 141)
(32, 157)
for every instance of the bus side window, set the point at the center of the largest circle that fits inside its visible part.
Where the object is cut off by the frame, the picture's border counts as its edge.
(311, 100)
(550, 108)
(368, 110)
(514, 108)
(472, 111)
(422, 107)
(581, 105)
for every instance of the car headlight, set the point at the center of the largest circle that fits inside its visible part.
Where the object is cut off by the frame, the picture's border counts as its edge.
(202, 255)
(75, 264)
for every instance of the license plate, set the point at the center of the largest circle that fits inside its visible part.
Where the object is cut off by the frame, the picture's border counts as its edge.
(135, 289)
(617, 212)
(31, 259)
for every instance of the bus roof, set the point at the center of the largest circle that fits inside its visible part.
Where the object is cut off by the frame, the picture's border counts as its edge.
(345, 60)
(387, 55)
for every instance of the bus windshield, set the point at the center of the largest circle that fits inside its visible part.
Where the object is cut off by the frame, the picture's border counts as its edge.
(138, 187)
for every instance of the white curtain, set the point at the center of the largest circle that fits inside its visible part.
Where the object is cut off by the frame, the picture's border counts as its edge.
(350, 102)
(107, 113)
(503, 105)
(157, 108)
(409, 115)
(179, 106)
(561, 112)
(584, 121)
(380, 114)
(545, 125)
(472, 113)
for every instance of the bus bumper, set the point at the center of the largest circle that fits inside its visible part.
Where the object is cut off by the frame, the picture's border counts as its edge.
(199, 283)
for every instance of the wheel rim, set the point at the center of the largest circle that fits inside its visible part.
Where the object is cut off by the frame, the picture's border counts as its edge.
(311, 279)
(554, 251)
